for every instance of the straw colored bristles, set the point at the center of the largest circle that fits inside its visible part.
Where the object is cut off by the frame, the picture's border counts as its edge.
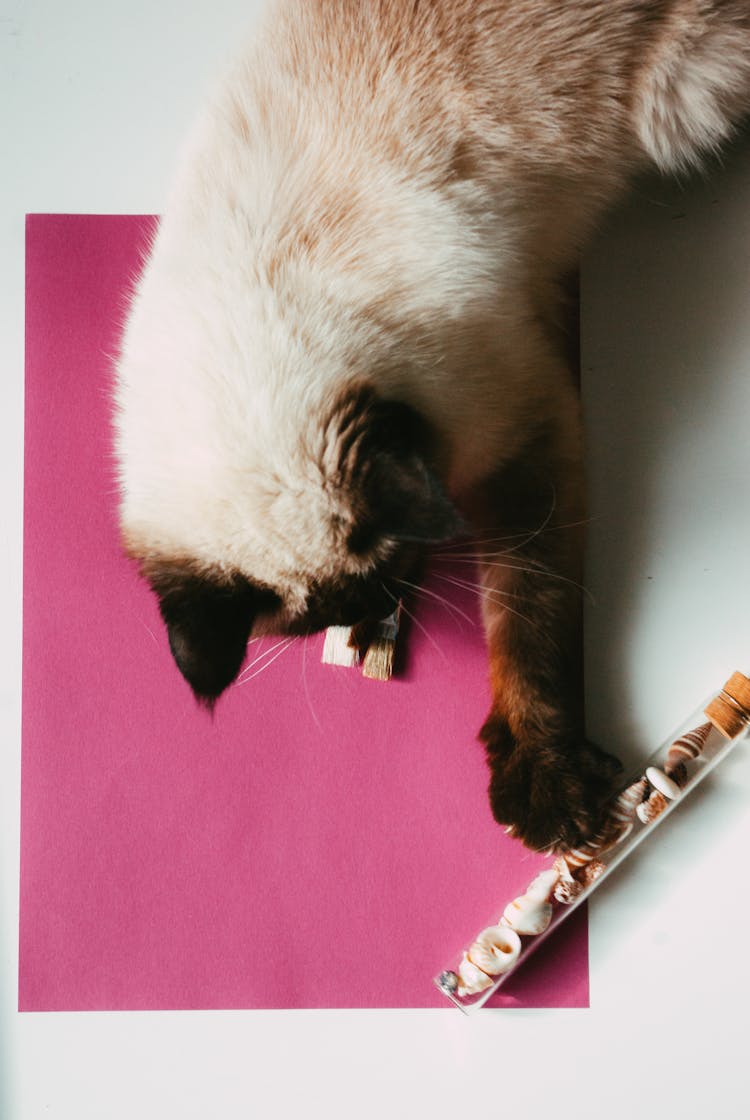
(378, 662)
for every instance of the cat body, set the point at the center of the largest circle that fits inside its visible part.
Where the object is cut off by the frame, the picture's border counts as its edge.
(344, 345)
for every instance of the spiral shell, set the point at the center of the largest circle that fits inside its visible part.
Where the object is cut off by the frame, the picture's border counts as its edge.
(527, 915)
(649, 810)
(561, 867)
(471, 979)
(577, 857)
(612, 831)
(591, 872)
(568, 887)
(685, 749)
(625, 805)
(543, 885)
(495, 950)
(567, 890)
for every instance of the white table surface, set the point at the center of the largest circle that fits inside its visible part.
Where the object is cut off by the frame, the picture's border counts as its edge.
(94, 99)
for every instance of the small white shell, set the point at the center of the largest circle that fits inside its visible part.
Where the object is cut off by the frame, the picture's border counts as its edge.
(542, 887)
(495, 950)
(471, 979)
(527, 915)
(665, 785)
(561, 867)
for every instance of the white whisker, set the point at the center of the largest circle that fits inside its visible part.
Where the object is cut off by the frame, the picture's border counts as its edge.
(305, 685)
(148, 631)
(498, 596)
(289, 642)
(426, 633)
(263, 653)
(467, 542)
(533, 535)
(449, 550)
(480, 589)
(532, 567)
(438, 598)
(525, 534)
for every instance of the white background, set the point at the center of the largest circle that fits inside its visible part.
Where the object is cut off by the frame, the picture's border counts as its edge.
(94, 99)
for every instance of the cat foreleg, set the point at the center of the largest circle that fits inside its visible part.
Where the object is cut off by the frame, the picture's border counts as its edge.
(547, 782)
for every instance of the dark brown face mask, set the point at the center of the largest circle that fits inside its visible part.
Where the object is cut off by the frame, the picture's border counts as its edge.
(384, 467)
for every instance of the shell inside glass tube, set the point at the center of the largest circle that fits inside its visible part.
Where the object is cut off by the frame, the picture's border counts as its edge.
(666, 778)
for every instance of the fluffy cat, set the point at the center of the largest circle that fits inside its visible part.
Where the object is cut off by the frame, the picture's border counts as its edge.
(344, 345)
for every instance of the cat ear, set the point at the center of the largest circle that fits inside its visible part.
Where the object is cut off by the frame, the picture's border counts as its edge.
(403, 493)
(208, 621)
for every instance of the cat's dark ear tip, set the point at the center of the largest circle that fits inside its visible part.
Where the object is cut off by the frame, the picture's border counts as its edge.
(208, 671)
(207, 702)
(208, 618)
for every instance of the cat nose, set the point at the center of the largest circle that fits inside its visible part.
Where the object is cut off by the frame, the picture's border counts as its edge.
(381, 602)
(373, 602)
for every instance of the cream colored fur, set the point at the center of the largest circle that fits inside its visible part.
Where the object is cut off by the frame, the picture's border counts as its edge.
(388, 191)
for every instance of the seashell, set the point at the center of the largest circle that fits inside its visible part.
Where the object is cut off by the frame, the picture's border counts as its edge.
(471, 979)
(495, 950)
(448, 982)
(624, 806)
(561, 867)
(649, 810)
(567, 890)
(527, 915)
(591, 872)
(691, 744)
(542, 887)
(685, 749)
(665, 785)
(577, 857)
(612, 832)
(677, 772)
(616, 826)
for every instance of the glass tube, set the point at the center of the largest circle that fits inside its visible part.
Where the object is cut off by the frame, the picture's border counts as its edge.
(646, 801)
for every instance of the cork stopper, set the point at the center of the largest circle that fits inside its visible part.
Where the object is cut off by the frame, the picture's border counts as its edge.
(729, 712)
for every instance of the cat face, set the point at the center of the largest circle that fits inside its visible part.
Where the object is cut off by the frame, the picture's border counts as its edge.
(325, 548)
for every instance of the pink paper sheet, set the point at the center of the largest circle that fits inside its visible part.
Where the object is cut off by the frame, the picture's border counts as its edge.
(322, 841)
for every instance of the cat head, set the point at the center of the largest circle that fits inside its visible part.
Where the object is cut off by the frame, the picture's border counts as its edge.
(266, 550)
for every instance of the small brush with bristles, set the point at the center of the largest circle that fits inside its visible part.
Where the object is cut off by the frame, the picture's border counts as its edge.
(378, 662)
(339, 647)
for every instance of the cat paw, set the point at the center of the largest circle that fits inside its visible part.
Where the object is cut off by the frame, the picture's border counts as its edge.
(550, 797)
